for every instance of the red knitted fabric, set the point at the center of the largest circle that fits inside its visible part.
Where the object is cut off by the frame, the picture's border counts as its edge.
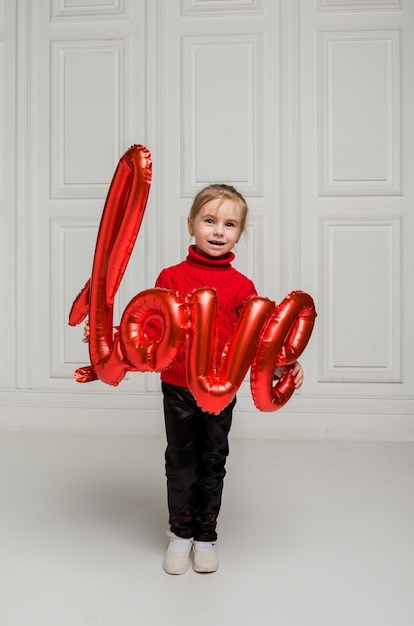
(232, 288)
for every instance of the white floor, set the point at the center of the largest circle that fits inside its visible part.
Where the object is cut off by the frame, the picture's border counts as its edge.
(310, 533)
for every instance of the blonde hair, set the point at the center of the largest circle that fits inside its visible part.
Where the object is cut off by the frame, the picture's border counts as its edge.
(217, 191)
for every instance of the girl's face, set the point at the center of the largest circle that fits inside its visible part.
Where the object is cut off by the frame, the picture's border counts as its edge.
(216, 227)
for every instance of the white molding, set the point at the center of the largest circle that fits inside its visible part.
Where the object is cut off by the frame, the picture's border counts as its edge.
(253, 185)
(303, 418)
(59, 227)
(100, 396)
(218, 8)
(3, 88)
(391, 184)
(290, 179)
(343, 418)
(328, 370)
(61, 11)
(154, 139)
(25, 149)
(2, 308)
(154, 135)
(359, 5)
(59, 51)
(185, 238)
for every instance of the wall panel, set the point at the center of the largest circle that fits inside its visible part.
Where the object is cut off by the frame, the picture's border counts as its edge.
(359, 5)
(8, 210)
(220, 7)
(360, 325)
(87, 122)
(221, 83)
(72, 244)
(87, 106)
(302, 104)
(3, 90)
(3, 357)
(359, 100)
(68, 10)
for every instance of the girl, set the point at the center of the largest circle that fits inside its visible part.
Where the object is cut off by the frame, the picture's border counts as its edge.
(197, 442)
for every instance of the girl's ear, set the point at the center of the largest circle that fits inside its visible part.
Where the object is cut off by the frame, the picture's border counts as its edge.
(190, 226)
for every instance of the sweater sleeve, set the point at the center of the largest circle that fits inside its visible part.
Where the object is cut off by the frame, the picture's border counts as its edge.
(162, 281)
(247, 291)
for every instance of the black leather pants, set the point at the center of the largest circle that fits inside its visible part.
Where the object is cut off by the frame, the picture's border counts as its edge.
(195, 458)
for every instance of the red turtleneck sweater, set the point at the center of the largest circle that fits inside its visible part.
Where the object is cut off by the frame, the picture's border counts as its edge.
(232, 288)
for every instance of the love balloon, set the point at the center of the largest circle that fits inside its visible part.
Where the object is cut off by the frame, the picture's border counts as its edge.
(266, 334)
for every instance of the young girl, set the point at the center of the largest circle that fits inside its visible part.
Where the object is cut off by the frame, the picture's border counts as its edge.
(197, 442)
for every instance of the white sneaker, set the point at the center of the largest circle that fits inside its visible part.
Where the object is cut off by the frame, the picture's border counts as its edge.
(205, 557)
(177, 557)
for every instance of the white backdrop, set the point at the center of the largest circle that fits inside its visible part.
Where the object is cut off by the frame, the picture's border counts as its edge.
(304, 105)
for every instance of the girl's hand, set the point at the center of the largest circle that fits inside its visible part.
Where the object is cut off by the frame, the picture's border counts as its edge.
(297, 372)
(86, 331)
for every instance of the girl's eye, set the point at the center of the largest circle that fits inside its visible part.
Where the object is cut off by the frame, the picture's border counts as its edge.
(230, 224)
(209, 220)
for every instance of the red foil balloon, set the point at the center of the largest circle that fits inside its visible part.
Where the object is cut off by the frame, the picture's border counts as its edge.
(158, 323)
(120, 223)
(283, 340)
(212, 389)
(153, 328)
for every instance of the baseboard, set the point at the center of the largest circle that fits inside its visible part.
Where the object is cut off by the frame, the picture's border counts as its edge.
(303, 418)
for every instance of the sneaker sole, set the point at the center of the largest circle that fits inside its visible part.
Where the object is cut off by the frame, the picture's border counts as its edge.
(175, 572)
(204, 570)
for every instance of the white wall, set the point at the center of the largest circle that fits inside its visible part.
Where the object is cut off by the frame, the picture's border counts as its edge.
(302, 104)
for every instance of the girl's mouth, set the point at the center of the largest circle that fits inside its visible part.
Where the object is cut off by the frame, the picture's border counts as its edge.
(216, 243)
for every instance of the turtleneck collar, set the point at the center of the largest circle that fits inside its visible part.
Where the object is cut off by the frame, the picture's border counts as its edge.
(220, 263)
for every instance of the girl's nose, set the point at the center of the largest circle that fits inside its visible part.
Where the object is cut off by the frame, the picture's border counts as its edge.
(218, 230)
